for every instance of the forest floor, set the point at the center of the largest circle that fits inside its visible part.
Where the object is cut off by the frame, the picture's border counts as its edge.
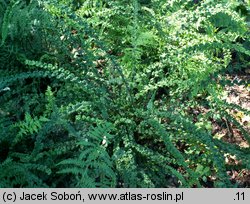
(240, 95)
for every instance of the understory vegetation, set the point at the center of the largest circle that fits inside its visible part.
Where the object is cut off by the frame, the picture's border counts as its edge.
(100, 93)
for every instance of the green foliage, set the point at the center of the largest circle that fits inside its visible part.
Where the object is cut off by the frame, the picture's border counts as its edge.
(102, 93)
(93, 167)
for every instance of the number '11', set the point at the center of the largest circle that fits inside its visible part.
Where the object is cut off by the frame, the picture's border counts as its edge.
(240, 196)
